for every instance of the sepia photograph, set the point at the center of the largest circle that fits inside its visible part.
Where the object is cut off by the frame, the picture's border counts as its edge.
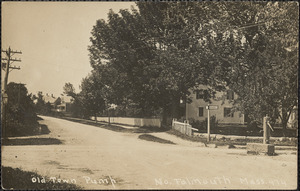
(149, 95)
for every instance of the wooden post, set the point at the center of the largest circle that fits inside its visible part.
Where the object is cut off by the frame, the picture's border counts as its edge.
(208, 125)
(108, 115)
(173, 124)
(186, 109)
(95, 118)
(266, 130)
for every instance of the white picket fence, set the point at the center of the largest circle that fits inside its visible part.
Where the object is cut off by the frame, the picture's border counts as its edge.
(184, 128)
(155, 122)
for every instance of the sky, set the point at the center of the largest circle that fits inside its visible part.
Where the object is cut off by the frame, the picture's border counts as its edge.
(53, 38)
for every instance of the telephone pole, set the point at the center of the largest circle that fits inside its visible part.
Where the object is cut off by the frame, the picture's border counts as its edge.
(6, 66)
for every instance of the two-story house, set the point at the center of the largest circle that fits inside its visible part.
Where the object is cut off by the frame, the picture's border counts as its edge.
(223, 100)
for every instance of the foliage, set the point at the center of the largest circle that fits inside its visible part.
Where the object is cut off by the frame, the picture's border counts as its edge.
(41, 107)
(69, 89)
(202, 124)
(265, 68)
(154, 56)
(77, 105)
(92, 95)
(21, 118)
(152, 67)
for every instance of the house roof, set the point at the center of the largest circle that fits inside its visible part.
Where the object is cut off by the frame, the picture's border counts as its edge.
(49, 98)
(66, 99)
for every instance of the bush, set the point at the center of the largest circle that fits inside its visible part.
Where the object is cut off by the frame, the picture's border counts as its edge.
(20, 118)
(202, 125)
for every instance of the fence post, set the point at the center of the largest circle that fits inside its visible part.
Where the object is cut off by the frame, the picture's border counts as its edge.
(184, 127)
(173, 123)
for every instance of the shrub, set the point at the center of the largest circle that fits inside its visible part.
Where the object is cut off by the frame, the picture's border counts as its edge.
(202, 124)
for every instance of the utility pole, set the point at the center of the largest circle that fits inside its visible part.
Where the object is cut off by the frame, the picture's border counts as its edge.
(6, 66)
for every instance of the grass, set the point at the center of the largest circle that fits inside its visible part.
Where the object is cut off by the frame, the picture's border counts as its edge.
(148, 137)
(227, 141)
(242, 130)
(17, 179)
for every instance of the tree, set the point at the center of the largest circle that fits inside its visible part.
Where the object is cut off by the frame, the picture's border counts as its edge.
(252, 48)
(161, 52)
(21, 117)
(20, 104)
(75, 108)
(92, 95)
(265, 74)
(41, 106)
(152, 54)
(69, 90)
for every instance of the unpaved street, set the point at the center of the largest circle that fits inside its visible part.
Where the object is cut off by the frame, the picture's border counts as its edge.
(96, 158)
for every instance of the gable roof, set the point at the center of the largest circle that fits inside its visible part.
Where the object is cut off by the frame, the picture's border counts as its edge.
(66, 99)
(48, 98)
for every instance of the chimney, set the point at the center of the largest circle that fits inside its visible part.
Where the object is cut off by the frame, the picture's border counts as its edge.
(52, 95)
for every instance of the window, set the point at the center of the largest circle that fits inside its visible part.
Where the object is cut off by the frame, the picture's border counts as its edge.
(228, 112)
(230, 95)
(201, 111)
(199, 94)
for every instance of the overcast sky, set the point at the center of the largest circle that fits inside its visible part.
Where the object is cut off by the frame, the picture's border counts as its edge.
(53, 37)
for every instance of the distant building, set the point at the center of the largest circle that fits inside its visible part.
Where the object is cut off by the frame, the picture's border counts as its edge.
(50, 99)
(223, 100)
(65, 103)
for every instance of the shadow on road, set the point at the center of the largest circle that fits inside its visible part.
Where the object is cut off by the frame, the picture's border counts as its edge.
(151, 129)
(31, 141)
(44, 129)
(17, 179)
(148, 137)
(28, 130)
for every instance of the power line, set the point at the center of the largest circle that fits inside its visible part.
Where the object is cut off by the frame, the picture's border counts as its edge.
(7, 64)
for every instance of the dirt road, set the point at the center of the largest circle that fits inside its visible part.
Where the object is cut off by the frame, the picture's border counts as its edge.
(96, 158)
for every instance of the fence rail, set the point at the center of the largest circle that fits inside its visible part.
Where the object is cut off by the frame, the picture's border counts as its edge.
(184, 128)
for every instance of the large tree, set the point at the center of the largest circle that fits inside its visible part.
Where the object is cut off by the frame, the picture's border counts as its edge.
(265, 67)
(161, 51)
(155, 54)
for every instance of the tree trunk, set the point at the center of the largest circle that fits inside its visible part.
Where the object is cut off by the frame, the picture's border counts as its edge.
(95, 117)
(284, 123)
(165, 115)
